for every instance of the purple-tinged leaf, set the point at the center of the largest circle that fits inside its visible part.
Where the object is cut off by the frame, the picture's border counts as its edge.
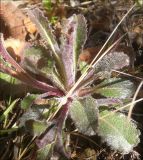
(54, 132)
(45, 30)
(37, 61)
(115, 88)
(60, 124)
(72, 41)
(48, 136)
(80, 37)
(16, 71)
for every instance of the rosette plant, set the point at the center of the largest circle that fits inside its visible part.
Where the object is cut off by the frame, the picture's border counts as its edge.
(89, 101)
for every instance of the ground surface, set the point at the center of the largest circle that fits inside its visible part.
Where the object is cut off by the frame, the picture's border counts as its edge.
(102, 17)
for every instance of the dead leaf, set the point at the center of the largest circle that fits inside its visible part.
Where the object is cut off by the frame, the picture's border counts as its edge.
(18, 25)
(15, 48)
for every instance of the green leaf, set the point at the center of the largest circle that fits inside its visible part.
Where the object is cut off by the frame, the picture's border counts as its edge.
(83, 66)
(28, 101)
(35, 127)
(8, 110)
(45, 152)
(8, 78)
(116, 88)
(119, 133)
(84, 113)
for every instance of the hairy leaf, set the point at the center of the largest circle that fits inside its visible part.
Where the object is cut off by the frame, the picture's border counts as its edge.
(116, 88)
(52, 135)
(113, 60)
(15, 70)
(80, 36)
(72, 42)
(120, 133)
(84, 113)
(38, 62)
(45, 30)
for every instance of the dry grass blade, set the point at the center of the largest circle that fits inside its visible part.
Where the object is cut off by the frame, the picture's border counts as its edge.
(127, 74)
(26, 149)
(121, 108)
(133, 100)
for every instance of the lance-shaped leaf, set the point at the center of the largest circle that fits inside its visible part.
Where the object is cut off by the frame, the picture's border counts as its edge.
(80, 37)
(45, 31)
(15, 70)
(116, 88)
(119, 133)
(38, 62)
(44, 28)
(84, 113)
(72, 42)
